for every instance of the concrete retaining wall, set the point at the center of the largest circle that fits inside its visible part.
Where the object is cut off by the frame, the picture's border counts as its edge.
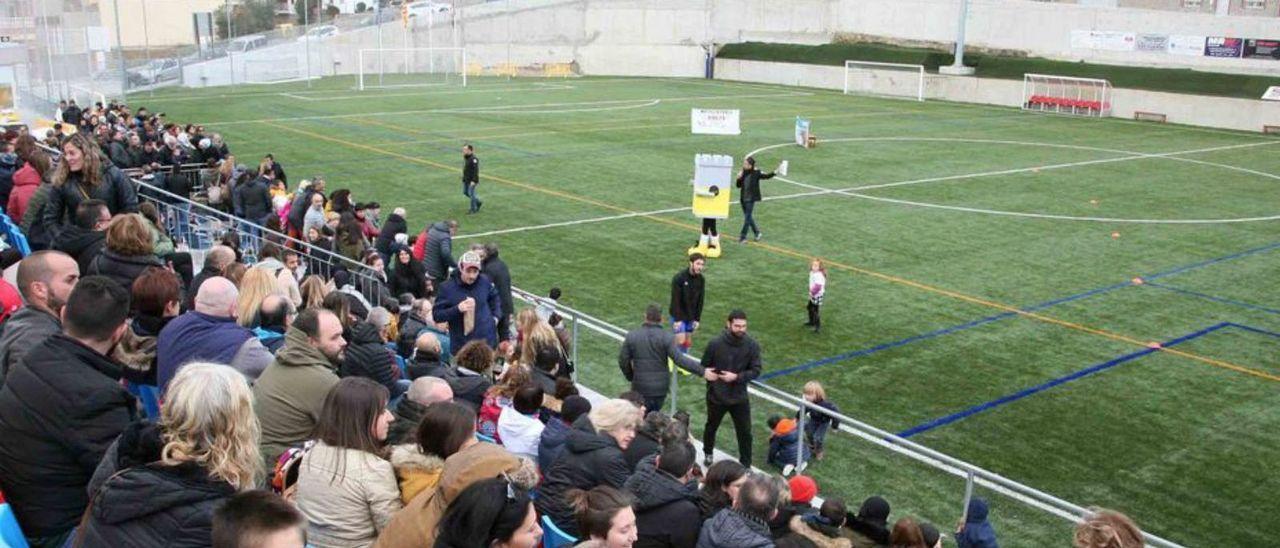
(1197, 110)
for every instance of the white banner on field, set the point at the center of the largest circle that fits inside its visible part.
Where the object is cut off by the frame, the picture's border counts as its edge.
(712, 121)
(1186, 44)
(1102, 40)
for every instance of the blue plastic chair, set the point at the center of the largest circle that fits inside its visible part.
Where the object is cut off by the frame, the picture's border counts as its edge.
(553, 537)
(10, 533)
(149, 395)
(14, 234)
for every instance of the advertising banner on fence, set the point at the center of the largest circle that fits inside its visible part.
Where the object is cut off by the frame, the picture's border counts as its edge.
(802, 131)
(1102, 39)
(1186, 44)
(1158, 43)
(1262, 49)
(1220, 46)
(710, 121)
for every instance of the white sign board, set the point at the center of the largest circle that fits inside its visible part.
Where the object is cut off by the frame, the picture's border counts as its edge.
(715, 121)
(1186, 44)
(1102, 40)
(1272, 94)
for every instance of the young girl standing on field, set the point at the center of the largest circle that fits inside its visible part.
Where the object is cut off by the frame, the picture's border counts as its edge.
(817, 423)
(817, 288)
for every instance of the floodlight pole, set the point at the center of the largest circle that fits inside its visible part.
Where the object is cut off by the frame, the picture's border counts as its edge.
(957, 68)
(306, 37)
(146, 48)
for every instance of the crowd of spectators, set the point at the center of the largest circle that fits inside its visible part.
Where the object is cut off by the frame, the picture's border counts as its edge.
(387, 393)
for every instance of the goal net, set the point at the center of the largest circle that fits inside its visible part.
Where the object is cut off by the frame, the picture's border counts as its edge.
(1066, 95)
(410, 67)
(899, 80)
(273, 71)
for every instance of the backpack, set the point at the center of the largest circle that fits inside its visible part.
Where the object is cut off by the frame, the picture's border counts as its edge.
(284, 479)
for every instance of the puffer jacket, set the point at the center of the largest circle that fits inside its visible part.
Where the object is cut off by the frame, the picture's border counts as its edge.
(785, 444)
(551, 444)
(740, 355)
(417, 472)
(25, 183)
(123, 269)
(408, 278)
(38, 235)
(348, 496)
(643, 360)
(24, 330)
(138, 501)
(252, 200)
(666, 510)
(439, 251)
(367, 356)
(113, 188)
(732, 529)
(82, 245)
(395, 225)
(590, 459)
(60, 409)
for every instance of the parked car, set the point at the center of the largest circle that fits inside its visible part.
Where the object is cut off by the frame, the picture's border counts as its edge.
(247, 43)
(158, 70)
(424, 7)
(380, 16)
(321, 32)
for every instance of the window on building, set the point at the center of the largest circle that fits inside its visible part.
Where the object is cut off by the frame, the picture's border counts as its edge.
(1255, 4)
(1191, 4)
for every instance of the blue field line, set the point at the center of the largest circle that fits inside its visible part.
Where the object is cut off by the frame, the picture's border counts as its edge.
(943, 421)
(1208, 297)
(1003, 315)
(1255, 330)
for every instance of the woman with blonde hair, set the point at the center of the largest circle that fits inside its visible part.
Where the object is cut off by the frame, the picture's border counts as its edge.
(313, 289)
(256, 285)
(235, 272)
(83, 175)
(129, 250)
(591, 458)
(1108, 529)
(499, 397)
(542, 336)
(159, 483)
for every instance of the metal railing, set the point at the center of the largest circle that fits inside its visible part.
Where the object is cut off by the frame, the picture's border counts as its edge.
(973, 475)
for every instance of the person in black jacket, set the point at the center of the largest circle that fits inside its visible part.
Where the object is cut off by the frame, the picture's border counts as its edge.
(84, 239)
(385, 242)
(687, 290)
(471, 177)
(128, 253)
(666, 499)
(82, 175)
(252, 201)
(9, 165)
(497, 271)
(407, 274)
(735, 358)
(207, 435)
(644, 356)
(368, 356)
(749, 182)
(592, 457)
(277, 171)
(60, 408)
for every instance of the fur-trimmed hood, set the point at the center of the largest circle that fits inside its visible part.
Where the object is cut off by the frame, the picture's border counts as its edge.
(409, 457)
(814, 533)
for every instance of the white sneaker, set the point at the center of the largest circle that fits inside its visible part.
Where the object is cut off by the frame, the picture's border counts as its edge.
(788, 469)
(803, 465)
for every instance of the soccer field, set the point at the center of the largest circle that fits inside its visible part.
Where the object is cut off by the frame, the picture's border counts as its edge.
(995, 277)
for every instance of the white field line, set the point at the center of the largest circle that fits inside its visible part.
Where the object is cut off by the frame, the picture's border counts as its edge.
(537, 86)
(498, 110)
(514, 109)
(298, 97)
(852, 191)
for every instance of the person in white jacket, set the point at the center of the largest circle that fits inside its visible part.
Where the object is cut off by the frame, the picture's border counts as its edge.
(518, 425)
(347, 489)
(817, 289)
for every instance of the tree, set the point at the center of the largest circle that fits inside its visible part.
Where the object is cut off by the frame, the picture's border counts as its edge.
(248, 18)
(332, 11)
(300, 8)
(361, 7)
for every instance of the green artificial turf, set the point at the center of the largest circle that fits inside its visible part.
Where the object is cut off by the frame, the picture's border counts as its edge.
(1009, 67)
(1183, 441)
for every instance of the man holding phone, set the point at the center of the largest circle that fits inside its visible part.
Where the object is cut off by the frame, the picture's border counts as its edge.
(730, 362)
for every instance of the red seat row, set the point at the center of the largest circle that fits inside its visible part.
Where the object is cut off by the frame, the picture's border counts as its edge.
(1065, 102)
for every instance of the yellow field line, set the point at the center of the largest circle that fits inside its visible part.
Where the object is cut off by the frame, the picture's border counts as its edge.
(779, 250)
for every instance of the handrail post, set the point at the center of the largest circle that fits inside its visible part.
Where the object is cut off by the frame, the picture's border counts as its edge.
(574, 350)
(968, 495)
(800, 436)
(674, 390)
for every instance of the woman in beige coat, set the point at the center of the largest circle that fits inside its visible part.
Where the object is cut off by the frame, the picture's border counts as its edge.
(346, 488)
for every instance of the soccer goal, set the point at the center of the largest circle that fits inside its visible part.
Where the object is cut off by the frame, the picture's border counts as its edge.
(1066, 95)
(899, 80)
(273, 71)
(411, 67)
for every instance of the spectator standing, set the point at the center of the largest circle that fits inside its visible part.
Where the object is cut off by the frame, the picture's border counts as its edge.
(749, 181)
(644, 360)
(407, 274)
(210, 333)
(394, 225)
(81, 175)
(258, 519)
(491, 513)
(471, 177)
(84, 239)
(817, 423)
(470, 304)
(159, 483)
(746, 524)
(27, 179)
(129, 251)
(9, 164)
(289, 396)
(592, 457)
(734, 357)
(45, 281)
(346, 488)
(666, 504)
(60, 409)
(817, 289)
(496, 269)
(688, 288)
(438, 249)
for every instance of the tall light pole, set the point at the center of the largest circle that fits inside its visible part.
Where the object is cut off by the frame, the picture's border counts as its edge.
(306, 37)
(957, 68)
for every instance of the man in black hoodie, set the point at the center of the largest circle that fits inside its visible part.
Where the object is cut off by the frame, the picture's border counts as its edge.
(666, 502)
(497, 271)
(85, 238)
(735, 359)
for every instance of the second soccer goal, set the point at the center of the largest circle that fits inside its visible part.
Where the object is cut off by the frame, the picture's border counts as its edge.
(898, 80)
(412, 67)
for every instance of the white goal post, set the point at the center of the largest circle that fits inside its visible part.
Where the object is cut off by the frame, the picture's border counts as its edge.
(1066, 95)
(411, 67)
(273, 71)
(901, 80)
